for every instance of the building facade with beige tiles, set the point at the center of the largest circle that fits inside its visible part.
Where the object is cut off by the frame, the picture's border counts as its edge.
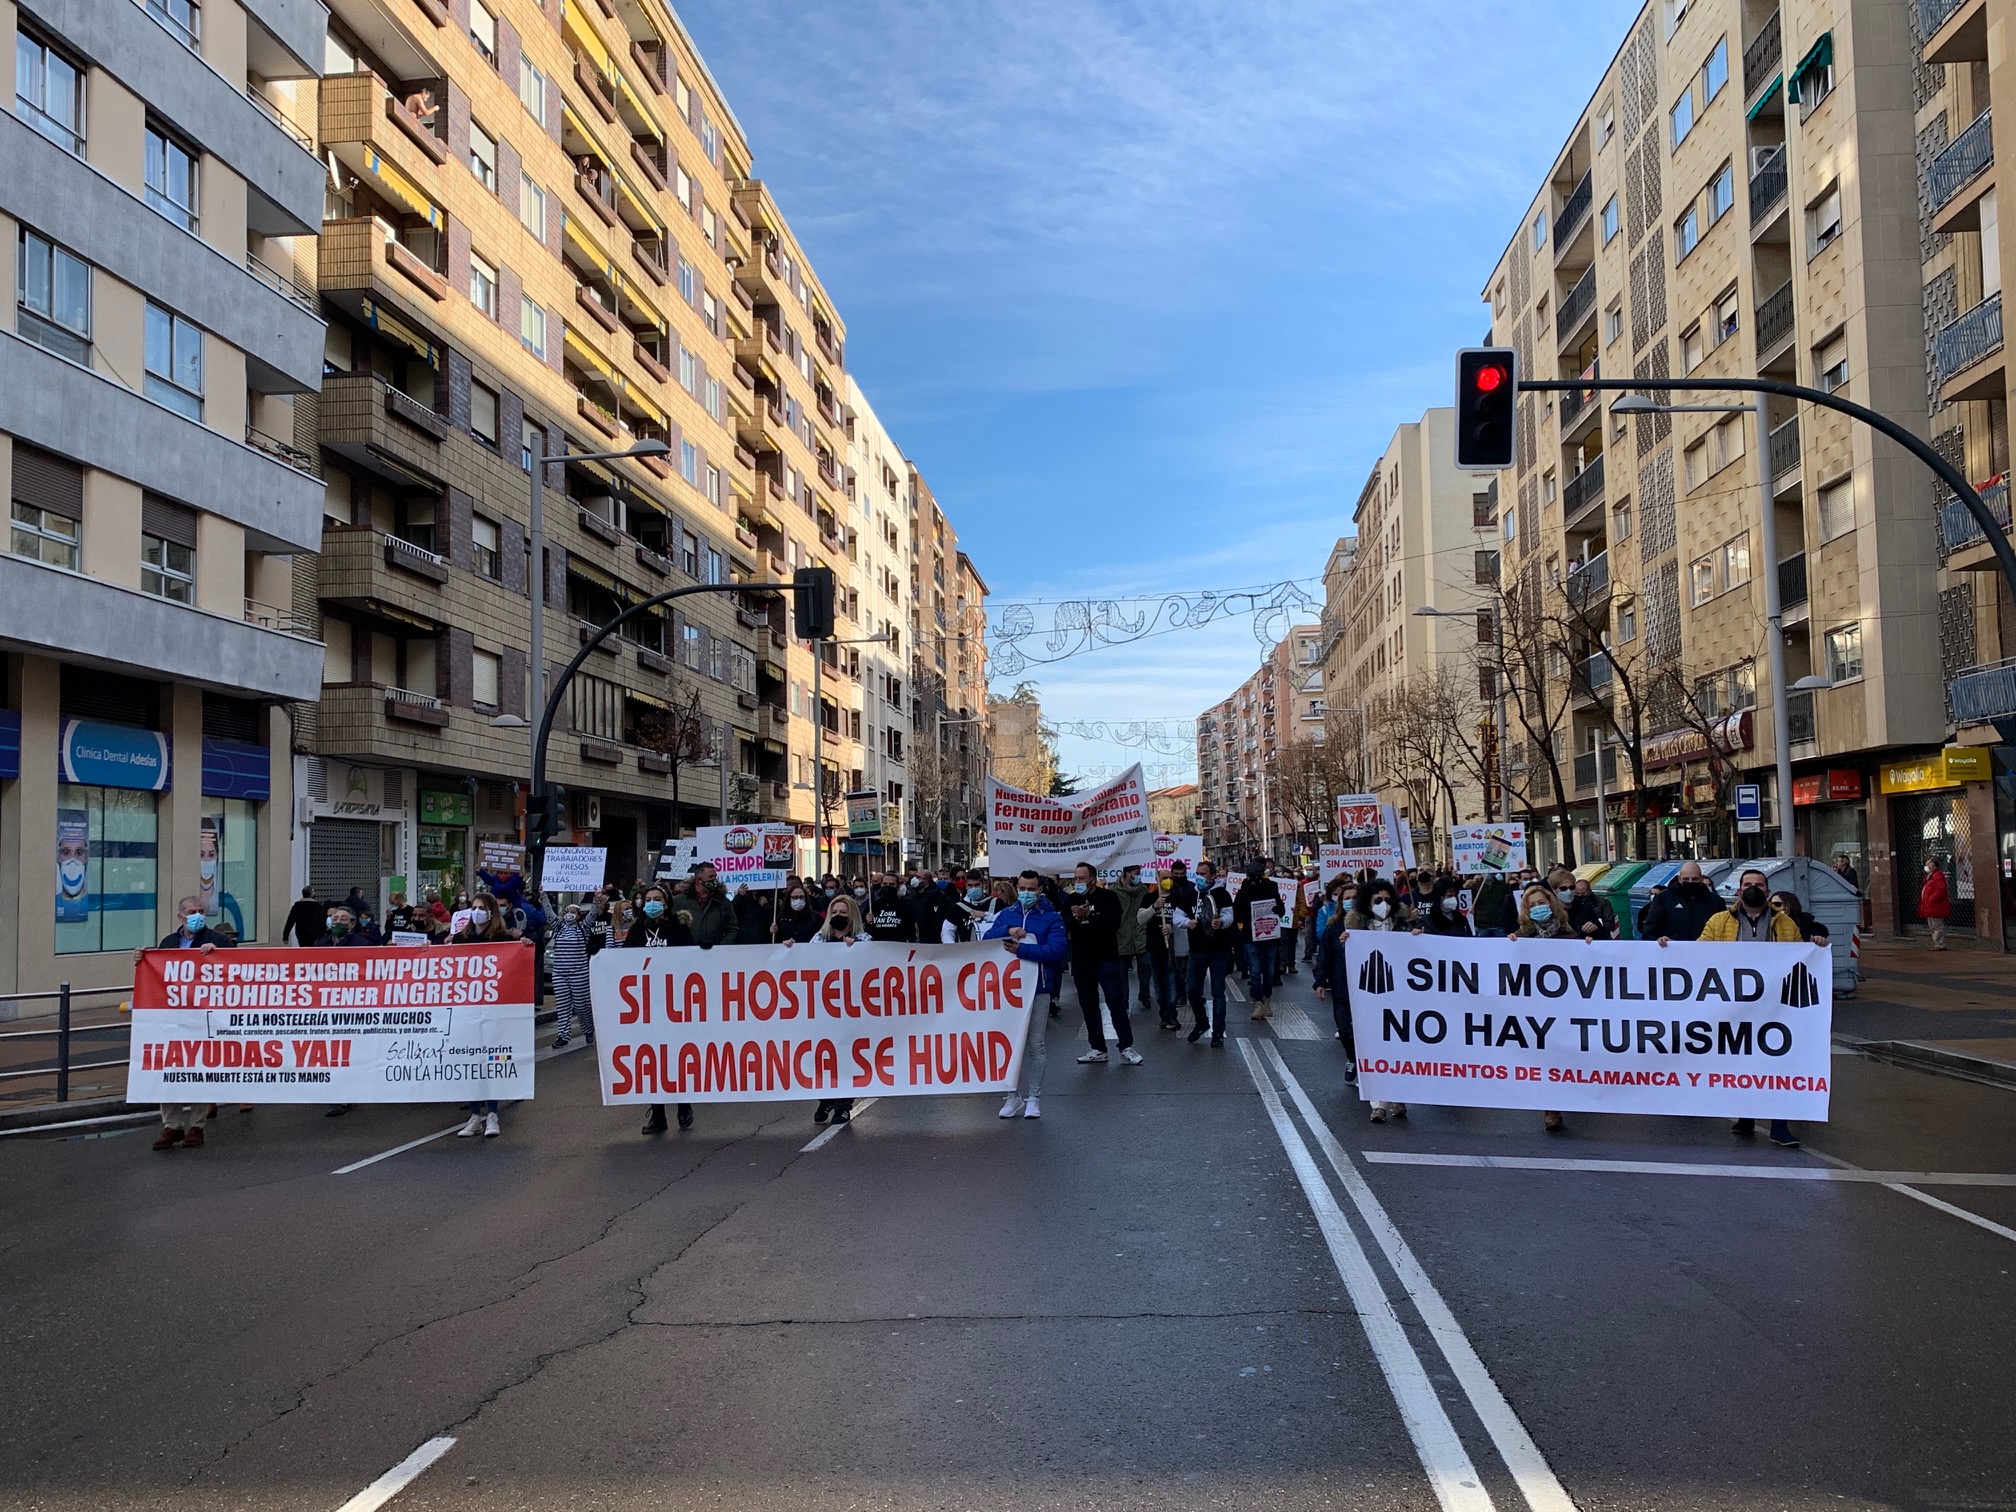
(1741, 195)
(153, 199)
(1240, 741)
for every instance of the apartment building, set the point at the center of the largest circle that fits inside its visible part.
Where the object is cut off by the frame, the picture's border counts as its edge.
(155, 194)
(1730, 202)
(949, 736)
(882, 575)
(1024, 756)
(1401, 689)
(1239, 742)
(1173, 810)
(541, 237)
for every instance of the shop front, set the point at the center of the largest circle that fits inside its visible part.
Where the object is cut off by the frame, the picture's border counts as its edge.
(441, 842)
(1831, 817)
(1931, 802)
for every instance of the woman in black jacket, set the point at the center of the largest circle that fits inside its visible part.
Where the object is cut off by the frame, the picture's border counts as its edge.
(1444, 912)
(658, 928)
(755, 916)
(799, 920)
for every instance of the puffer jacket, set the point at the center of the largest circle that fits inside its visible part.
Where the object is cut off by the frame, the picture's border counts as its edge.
(1133, 936)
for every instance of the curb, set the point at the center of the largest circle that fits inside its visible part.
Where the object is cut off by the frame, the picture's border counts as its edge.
(1922, 1057)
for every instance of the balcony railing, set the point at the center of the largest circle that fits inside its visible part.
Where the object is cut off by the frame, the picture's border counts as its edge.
(1984, 693)
(1584, 488)
(1957, 525)
(1966, 158)
(1588, 583)
(1762, 56)
(1800, 728)
(282, 451)
(1768, 182)
(1783, 451)
(1933, 14)
(1962, 343)
(1573, 209)
(1576, 402)
(1792, 581)
(283, 284)
(1576, 303)
(1775, 318)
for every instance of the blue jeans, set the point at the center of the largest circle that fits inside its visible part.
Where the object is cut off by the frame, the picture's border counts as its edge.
(1164, 968)
(487, 1106)
(1091, 978)
(1142, 969)
(1260, 959)
(1218, 963)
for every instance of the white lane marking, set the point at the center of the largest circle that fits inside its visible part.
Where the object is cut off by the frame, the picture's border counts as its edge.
(1234, 990)
(82, 1123)
(411, 1144)
(1537, 1482)
(1680, 1168)
(1928, 1199)
(1454, 1478)
(1291, 1023)
(398, 1478)
(828, 1132)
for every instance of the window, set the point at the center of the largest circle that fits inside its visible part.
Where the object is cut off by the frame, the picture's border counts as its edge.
(1736, 561)
(1702, 583)
(532, 89)
(597, 707)
(486, 679)
(1695, 467)
(483, 413)
(532, 326)
(485, 547)
(44, 536)
(174, 362)
(107, 850)
(1830, 364)
(689, 462)
(1485, 568)
(1610, 220)
(1511, 522)
(171, 178)
(531, 206)
(1606, 123)
(182, 19)
(1815, 81)
(1540, 313)
(1686, 234)
(167, 569)
(1728, 316)
(1715, 72)
(483, 157)
(1548, 488)
(483, 286)
(1682, 115)
(1741, 690)
(229, 838)
(1620, 523)
(1540, 229)
(1721, 193)
(483, 31)
(1627, 622)
(1837, 510)
(1613, 321)
(49, 92)
(1823, 223)
(1727, 438)
(53, 289)
(1844, 653)
(1692, 349)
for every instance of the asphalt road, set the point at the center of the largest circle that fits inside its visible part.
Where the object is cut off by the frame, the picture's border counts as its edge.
(1195, 1284)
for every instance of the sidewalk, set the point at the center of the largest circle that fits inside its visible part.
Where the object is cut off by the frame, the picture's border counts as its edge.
(1952, 1010)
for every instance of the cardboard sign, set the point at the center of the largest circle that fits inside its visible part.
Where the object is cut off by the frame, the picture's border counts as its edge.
(573, 868)
(1475, 848)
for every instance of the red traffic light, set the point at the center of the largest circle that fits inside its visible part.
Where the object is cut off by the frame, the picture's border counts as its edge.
(1490, 379)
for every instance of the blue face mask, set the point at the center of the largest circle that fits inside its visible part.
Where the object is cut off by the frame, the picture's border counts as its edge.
(193, 922)
(653, 908)
(1080, 887)
(1026, 899)
(976, 895)
(1542, 913)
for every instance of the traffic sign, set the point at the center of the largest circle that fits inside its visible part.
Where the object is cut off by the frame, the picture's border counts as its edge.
(1749, 802)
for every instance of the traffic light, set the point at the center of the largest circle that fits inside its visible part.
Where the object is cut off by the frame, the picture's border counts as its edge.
(812, 603)
(1486, 381)
(542, 816)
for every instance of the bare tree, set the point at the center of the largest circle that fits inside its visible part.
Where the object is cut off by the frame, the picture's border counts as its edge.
(1307, 777)
(926, 767)
(1540, 693)
(679, 733)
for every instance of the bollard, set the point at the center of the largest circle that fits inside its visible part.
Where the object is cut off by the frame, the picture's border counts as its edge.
(63, 1043)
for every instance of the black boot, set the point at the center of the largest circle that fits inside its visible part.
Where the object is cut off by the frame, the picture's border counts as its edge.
(685, 1115)
(655, 1124)
(821, 1113)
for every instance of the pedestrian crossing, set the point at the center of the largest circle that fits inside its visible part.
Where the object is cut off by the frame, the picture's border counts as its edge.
(1291, 1023)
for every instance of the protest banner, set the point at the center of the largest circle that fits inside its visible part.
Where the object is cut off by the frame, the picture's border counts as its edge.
(757, 856)
(1368, 838)
(574, 868)
(1107, 827)
(772, 1023)
(1731, 1031)
(371, 1024)
(1169, 849)
(1475, 848)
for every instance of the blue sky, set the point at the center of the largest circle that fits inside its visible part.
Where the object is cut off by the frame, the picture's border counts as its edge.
(1143, 286)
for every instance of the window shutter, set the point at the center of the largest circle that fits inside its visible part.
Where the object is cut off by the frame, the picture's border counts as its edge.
(168, 520)
(48, 482)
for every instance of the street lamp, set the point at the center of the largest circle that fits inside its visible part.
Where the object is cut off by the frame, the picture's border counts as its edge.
(1498, 712)
(1774, 609)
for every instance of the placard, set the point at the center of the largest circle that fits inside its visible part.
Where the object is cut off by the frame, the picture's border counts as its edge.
(500, 856)
(1475, 848)
(1169, 849)
(1265, 926)
(1367, 836)
(573, 868)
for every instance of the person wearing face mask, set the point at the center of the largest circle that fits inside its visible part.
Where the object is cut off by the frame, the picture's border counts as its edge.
(1132, 939)
(800, 920)
(1444, 914)
(486, 926)
(1167, 928)
(1753, 919)
(1542, 917)
(1683, 910)
(1214, 940)
(567, 959)
(706, 911)
(889, 914)
(1935, 902)
(659, 927)
(1376, 907)
(755, 916)
(841, 926)
(1092, 926)
(182, 1123)
(1590, 916)
(1030, 930)
(1259, 895)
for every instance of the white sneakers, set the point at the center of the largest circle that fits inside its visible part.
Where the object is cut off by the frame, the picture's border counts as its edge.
(474, 1126)
(1031, 1110)
(1012, 1107)
(1130, 1056)
(1092, 1058)
(490, 1127)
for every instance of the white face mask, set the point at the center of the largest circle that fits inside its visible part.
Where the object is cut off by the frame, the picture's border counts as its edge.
(1448, 905)
(479, 916)
(1381, 909)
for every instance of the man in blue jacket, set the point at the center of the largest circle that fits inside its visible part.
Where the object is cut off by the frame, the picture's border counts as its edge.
(1031, 930)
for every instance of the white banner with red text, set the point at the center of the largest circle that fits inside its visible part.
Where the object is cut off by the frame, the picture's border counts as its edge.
(1108, 828)
(390, 1023)
(772, 1023)
(1725, 1030)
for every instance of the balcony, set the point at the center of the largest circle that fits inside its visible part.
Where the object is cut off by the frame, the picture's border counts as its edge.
(1585, 769)
(1588, 585)
(364, 258)
(361, 568)
(1957, 526)
(1769, 181)
(1966, 158)
(1783, 449)
(1762, 57)
(1967, 342)
(408, 707)
(382, 139)
(1574, 209)
(1583, 490)
(1579, 407)
(1801, 725)
(365, 420)
(1933, 14)
(1955, 31)
(1577, 305)
(1776, 321)
(1980, 694)
(1792, 582)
